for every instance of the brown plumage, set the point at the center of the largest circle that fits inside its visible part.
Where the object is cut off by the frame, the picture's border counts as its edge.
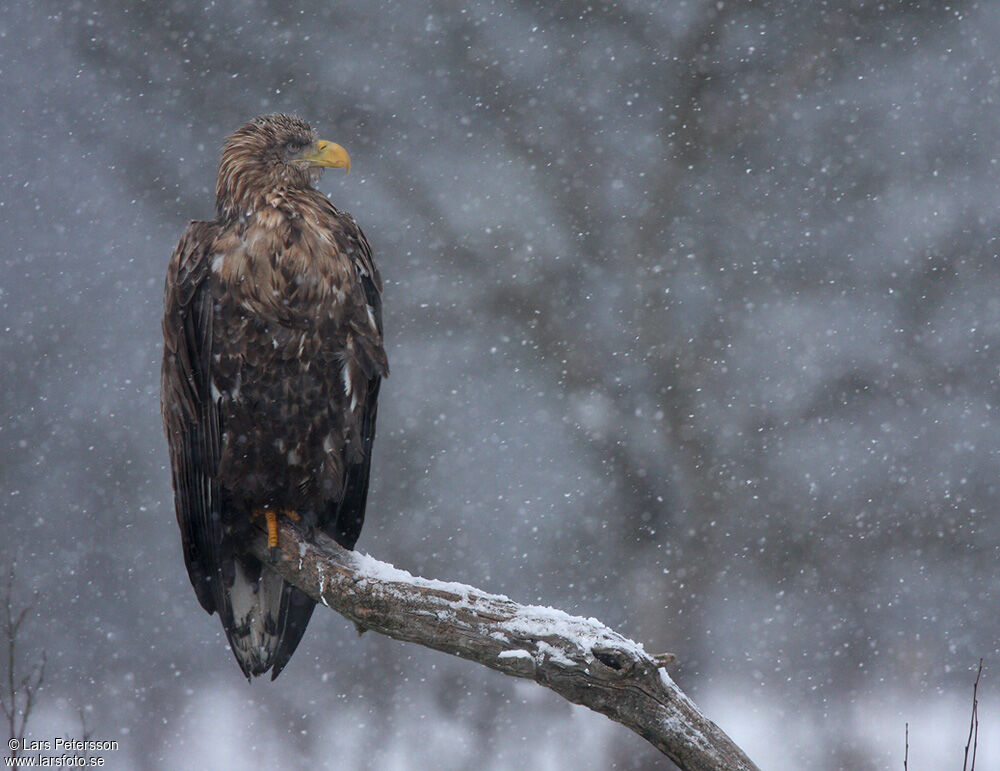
(272, 361)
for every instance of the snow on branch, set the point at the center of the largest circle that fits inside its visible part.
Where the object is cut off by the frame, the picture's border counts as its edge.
(579, 658)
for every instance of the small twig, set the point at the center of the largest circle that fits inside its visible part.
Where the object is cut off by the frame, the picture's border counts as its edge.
(973, 723)
(18, 695)
(579, 658)
(8, 700)
(85, 733)
(906, 749)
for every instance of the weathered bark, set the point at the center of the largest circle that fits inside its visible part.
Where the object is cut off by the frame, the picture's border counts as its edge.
(579, 658)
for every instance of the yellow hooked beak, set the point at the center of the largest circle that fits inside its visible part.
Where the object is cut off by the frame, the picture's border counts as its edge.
(328, 154)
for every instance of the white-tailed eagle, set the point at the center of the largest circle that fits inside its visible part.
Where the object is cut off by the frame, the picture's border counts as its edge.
(272, 360)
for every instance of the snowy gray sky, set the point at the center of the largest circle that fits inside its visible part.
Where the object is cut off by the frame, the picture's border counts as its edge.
(692, 315)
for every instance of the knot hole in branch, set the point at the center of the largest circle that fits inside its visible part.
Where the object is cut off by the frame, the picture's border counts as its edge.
(611, 658)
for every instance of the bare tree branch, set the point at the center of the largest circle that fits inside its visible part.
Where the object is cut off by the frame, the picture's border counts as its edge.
(580, 659)
(973, 723)
(17, 697)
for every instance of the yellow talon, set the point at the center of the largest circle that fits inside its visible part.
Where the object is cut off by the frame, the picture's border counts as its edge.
(270, 516)
(272, 528)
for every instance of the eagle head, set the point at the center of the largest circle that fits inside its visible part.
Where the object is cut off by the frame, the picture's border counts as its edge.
(268, 152)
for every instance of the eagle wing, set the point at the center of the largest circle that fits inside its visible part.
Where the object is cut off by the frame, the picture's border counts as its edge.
(251, 604)
(345, 526)
(345, 517)
(190, 415)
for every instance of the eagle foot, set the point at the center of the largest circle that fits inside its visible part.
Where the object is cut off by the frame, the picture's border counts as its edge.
(309, 523)
(271, 520)
(272, 534)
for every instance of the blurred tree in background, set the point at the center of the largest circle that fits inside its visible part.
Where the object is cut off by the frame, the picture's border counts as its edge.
(691, 311)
